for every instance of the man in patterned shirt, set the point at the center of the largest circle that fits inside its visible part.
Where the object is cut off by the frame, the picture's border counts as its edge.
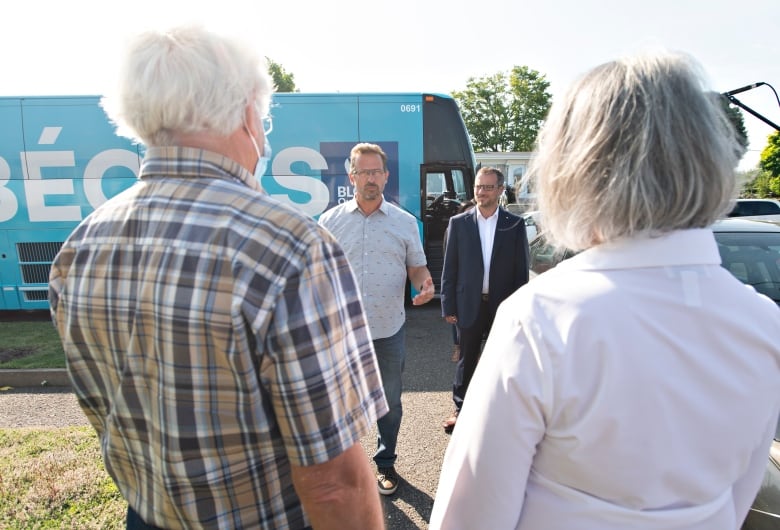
(214, 337)
(383, 245)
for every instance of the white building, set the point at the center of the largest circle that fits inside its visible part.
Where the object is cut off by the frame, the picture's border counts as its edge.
(514, 166)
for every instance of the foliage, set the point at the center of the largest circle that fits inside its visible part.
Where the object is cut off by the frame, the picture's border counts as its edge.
(746, 180)
(504, 111)
(30, 344)
(734, 114)
(765, 186)
(770, 156)
(766, 181)
(55, 478)
(284, 81)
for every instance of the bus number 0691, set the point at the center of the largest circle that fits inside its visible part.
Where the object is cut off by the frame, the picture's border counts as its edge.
(410, 108)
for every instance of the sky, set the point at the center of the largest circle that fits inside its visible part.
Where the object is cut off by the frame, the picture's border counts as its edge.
(51, 47)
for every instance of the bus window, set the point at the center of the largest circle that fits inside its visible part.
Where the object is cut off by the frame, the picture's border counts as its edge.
(446, 189)
(435, 186)
(459, 185)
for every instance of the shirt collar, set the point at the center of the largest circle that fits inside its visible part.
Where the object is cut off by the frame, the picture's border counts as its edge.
(192, 162)
(352, 206)
(696, 246)
(494, 215)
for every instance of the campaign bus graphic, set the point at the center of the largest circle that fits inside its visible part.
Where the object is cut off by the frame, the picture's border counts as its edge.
(60, 158)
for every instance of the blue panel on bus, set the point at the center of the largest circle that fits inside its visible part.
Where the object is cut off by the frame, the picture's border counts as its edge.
(312, 138)
(60, 158)
(302, 123)
(336, 177)
(12, 146)
(67, 162)
(25, 262)
(397, 116)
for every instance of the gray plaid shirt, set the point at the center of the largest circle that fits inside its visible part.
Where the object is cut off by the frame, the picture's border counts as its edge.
(214, 337)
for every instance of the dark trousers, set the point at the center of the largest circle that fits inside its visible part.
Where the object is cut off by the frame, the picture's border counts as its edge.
(470, 350)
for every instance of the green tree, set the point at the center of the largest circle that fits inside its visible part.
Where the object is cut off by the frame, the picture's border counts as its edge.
(504, 111)
(770, 166)
(284, 81)
(764, 181)
(770, 156)
(763, 186)
(734, 114)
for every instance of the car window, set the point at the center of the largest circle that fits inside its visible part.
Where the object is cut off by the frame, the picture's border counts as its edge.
(766, 208)
(750, 208)
(544, 257)
(753, 258)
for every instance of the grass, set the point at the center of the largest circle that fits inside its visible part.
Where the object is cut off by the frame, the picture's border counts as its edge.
(54, 478)
(30, 344)
(51, 478)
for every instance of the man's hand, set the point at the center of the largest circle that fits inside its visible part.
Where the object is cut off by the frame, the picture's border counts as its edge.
(427, 290)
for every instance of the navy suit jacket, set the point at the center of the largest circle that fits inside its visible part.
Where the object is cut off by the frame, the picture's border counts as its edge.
(461, 279)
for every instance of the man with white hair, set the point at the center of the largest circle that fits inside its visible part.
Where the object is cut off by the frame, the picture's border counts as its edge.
(215, 338)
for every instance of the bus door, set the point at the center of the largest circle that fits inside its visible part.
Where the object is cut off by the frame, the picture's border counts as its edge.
(443, 190)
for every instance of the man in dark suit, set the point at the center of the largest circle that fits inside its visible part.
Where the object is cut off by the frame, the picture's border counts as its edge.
(485, 260)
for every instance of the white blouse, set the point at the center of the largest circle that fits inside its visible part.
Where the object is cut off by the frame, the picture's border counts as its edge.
(634, 385)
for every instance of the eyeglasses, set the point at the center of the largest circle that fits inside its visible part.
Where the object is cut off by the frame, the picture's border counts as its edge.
(368, 172)
(266, 121)
(268, 125)
(485, 187)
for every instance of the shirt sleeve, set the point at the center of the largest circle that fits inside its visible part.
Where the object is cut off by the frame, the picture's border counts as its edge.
(747, 486)
(322, 372)
(488, 460)
(92, 404)
(415, 254)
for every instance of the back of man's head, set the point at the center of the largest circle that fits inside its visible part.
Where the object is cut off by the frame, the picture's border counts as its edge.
(186, 80)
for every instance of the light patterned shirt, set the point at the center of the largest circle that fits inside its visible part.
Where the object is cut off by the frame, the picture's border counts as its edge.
(214, 337)
(379, 247)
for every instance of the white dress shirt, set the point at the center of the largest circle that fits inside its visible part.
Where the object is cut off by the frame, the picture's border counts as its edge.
(487, 234)
(635, 386)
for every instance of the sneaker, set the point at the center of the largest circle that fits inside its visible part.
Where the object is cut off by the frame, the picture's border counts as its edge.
(387, 480)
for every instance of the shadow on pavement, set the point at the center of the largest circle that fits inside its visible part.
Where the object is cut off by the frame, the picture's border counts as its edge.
(414, 501)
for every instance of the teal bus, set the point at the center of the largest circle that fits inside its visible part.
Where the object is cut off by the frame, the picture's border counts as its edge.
(60, 158)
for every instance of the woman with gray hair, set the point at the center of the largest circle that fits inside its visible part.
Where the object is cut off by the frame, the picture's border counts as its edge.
(635, 384)
(215, 337)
